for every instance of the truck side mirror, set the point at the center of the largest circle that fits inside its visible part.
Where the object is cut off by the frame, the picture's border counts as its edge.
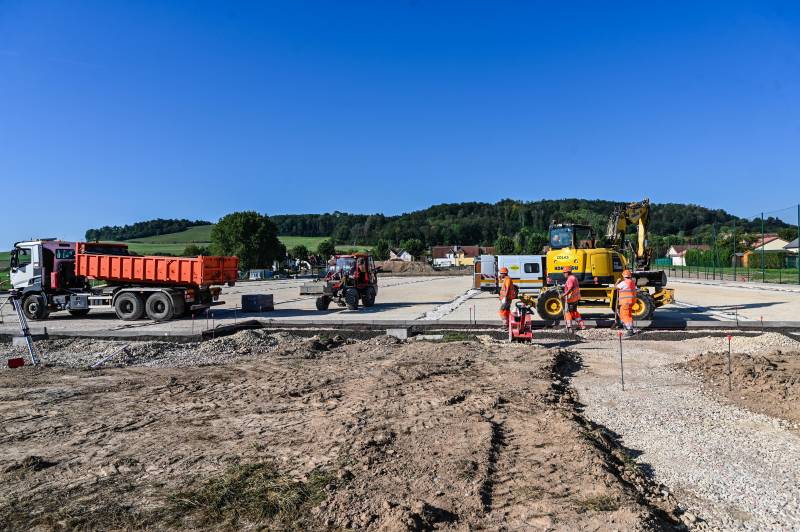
(14, 260)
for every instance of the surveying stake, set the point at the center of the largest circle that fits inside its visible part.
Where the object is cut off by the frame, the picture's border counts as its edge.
(15, 298)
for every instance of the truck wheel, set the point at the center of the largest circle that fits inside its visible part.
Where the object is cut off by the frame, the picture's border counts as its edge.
(34, 308)
(129, 306)
(351, 298)
(644, 306)
(550, 306)
(159, 307)
(323, 302)
(369, 297)
(79, 312)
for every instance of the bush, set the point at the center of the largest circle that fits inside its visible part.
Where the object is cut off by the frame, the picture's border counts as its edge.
(250, 236)
(299, 252)
(193, 250)
(504, 245)
(381, 250)
(326, 248)
(414, 246)
(772, 260)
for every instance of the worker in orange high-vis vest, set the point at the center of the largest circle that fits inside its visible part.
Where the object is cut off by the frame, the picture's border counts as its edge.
(508, 293)
(626, 297)
(572, 296)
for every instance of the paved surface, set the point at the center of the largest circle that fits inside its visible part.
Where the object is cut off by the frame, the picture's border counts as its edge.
(437, 298)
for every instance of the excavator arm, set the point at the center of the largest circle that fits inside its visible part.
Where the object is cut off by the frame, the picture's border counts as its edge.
(624, 216)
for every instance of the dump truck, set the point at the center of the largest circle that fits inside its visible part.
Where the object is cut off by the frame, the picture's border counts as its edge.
(52, 275)
(349, 279)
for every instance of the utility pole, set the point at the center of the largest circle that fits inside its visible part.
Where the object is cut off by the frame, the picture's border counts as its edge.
(714, 252)
(763, 273)
(734, 248)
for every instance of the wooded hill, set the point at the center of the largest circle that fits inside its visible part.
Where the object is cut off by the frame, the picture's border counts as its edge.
(155, 227)
(482, 223)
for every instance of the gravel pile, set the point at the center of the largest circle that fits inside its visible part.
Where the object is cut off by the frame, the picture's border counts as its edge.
(733, 468)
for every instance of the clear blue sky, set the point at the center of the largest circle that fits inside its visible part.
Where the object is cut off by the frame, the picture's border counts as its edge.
(114, 112)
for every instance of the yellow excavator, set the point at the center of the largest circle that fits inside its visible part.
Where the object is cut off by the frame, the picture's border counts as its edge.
(598, 269)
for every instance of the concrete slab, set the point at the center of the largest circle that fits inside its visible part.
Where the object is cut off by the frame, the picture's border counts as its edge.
(409, 299)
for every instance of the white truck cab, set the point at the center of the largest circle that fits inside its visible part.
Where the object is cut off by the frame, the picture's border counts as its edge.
(26, 264)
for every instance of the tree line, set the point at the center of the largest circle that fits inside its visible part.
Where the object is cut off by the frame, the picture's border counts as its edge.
(526, 223)
(159, 226)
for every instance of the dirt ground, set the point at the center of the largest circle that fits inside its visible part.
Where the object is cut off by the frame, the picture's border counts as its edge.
(767, 383)
(318, 434)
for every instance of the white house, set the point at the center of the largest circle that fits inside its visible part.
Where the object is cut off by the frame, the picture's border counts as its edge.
(770, 243)
(678, 253)
(400, 254)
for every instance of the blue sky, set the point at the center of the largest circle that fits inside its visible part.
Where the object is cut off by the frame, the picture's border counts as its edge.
(114, 112)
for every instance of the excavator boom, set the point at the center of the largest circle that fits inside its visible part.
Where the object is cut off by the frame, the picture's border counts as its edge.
(624, 216)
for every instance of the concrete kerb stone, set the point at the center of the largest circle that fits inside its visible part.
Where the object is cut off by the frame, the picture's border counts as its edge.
(400, 333)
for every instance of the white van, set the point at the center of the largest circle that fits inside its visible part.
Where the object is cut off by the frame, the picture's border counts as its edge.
(526, 271)
(485, 276)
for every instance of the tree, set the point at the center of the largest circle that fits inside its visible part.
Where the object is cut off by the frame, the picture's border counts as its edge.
(250, 236)
(193, 250)
(381, 250)
(414, 246)
(299, 252)
(504, 245)
(326, 248)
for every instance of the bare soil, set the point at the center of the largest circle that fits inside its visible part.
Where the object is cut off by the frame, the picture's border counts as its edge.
(374, 435)
(766, 383)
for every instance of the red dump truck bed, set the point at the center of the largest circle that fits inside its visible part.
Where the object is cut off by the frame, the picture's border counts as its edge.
(110, 262)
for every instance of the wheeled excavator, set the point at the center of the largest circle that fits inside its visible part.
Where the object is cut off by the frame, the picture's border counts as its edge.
(599, 269)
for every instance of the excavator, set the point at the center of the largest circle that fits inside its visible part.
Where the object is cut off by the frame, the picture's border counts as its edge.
(599, 269)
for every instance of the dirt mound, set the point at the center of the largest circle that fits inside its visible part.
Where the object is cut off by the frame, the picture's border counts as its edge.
(82, 353)
(399, 266)
(769, 384)
(328, 435)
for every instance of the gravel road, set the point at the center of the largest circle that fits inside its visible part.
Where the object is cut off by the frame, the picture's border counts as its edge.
(732, 468)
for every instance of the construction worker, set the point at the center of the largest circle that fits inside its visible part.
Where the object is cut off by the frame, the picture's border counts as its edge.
(508, 293)
(572, 296)
(626, 297)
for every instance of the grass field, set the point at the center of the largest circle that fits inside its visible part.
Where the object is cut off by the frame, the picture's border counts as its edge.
(174, 243)
(5, 256)
(200, 234)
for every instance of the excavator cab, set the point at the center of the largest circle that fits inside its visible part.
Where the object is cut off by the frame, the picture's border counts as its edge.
(573, 236)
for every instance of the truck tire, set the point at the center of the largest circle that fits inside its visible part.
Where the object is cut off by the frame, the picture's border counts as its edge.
(351, 298)
(644, 306)
(34, 307)
(550, 306)
(79, 312)
(369, 297)
(159, 307)
(323, 302)
(129, 306)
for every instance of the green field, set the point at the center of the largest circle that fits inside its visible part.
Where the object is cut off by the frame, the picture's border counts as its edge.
(200, 234)
(174, 243)
(5, 257)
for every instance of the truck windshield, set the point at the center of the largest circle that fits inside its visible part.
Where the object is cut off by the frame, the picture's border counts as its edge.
(346, 264)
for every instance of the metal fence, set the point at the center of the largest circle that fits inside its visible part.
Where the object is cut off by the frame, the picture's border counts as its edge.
(744, 254)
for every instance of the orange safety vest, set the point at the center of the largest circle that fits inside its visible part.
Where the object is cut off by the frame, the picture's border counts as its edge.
(575, 294)
(508, 289)
(627, 293)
